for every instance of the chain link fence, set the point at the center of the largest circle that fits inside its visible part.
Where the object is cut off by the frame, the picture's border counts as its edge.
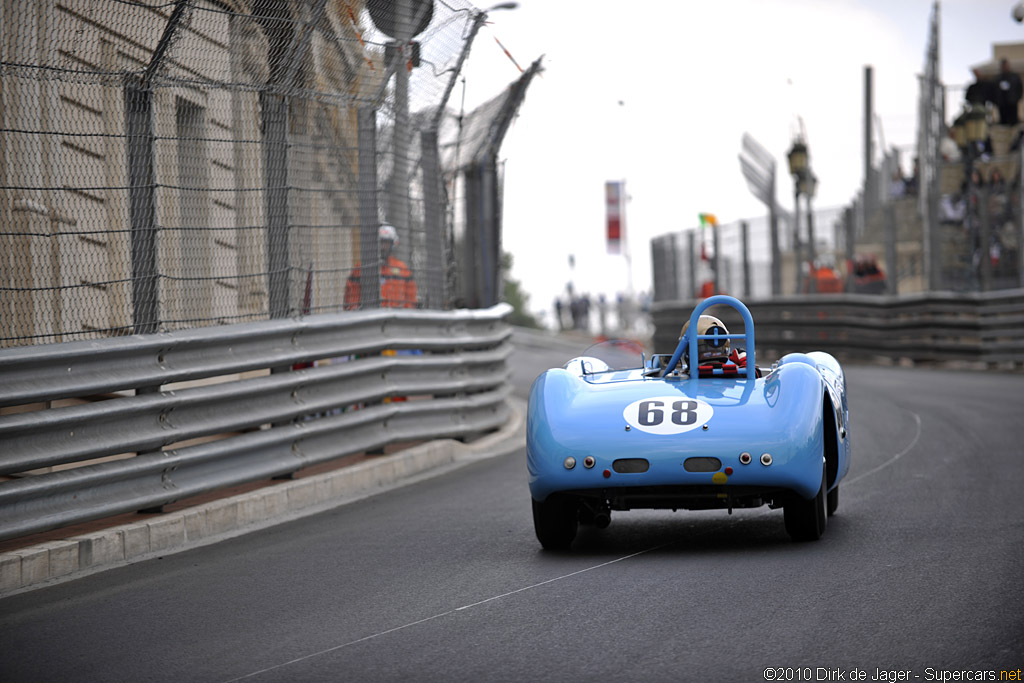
(736, 258)
(948, 219)
(179, 164)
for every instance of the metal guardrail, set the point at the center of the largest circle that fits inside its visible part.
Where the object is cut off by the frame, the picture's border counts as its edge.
(265, 426)
(922, 328)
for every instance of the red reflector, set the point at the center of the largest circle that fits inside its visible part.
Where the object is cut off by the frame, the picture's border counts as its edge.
(728, 470)
(607, 473)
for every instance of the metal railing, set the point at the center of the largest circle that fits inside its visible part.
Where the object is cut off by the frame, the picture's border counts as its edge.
(264, 399)
(928, 327)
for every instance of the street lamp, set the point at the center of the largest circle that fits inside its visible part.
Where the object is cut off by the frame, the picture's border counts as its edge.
(798, 158)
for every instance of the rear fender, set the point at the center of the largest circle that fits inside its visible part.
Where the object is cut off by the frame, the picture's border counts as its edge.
(834, 413)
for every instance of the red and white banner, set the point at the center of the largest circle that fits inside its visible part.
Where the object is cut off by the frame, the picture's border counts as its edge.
(615, 209)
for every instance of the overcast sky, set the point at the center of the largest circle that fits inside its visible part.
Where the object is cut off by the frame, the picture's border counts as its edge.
(660, 94)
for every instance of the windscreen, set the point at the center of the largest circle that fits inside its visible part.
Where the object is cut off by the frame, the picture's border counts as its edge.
(618, 354)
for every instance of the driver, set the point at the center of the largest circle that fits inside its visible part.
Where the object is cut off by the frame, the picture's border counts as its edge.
(715, 353)
(709, 350)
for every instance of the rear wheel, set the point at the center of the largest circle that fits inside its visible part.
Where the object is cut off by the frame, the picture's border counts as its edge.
(833, 500)
(555, 520)
(806, 519)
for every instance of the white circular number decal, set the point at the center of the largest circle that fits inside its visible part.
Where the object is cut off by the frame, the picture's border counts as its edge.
(667, 414)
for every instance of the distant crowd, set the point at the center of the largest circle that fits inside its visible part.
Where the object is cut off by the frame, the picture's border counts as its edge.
(575, 311)
(984, 184)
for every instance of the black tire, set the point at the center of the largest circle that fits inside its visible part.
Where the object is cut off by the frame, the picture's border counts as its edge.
(833, 500)
(555, 521)
(806, 519)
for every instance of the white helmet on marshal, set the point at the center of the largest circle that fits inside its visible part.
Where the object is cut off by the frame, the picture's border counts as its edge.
(388, 232)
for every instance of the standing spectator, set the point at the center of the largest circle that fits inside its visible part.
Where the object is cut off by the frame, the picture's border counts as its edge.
(948, 148)
(898, 186)
(912, 181)
(1008, 94)
(397, 288)
(584, 319)
(982, 91)
(999, 201)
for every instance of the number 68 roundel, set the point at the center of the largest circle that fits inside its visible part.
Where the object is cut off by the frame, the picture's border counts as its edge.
(667, 414)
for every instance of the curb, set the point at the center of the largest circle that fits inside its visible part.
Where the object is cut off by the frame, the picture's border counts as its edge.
(54, 562)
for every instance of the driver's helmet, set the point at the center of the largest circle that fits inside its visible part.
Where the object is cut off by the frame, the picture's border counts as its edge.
(709, 349)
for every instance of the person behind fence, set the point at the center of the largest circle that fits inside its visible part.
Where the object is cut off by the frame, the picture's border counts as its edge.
(913, 180)
(982, 91)
(397, 286)
(1009, 93)
(998, 198)
(897, 186)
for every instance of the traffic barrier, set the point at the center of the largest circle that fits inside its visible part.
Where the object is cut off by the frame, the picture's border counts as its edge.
(132, 423)
(930, 327)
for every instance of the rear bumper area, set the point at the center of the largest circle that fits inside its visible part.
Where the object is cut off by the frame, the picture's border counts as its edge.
(689, 497)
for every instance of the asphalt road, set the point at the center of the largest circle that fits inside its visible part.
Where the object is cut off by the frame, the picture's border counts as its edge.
(921, 570)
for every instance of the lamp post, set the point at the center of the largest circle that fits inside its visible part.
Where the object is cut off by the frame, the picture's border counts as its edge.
(799, 168)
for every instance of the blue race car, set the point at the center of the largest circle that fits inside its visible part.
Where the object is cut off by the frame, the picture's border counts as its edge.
(606, 434)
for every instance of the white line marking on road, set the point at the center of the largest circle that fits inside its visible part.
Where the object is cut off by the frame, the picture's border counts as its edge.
(890, 461)
(445, 614)
(887, 463)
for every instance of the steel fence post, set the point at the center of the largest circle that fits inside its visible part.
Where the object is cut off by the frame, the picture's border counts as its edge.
(984, 238)
(745, 241)
(717, 261)
(773, 226)
(692, 257)
(274, 120)
(432, 293)
(490, 233)
(891, 262)
(673, 263)
(369, 256)
(398, 188)
(138, 108)
(1020, 224)
(812, 285)
(848, 225)
(797, 254)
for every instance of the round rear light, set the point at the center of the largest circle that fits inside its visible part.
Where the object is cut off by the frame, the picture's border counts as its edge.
(745, 458)
(766, 459)
(569, 463)
(589, 461)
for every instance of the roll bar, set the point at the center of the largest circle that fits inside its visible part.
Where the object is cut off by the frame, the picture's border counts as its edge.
(747, 336)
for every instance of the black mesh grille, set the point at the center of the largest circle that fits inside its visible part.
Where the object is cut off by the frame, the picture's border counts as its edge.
(702, 464)
(631, 465)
